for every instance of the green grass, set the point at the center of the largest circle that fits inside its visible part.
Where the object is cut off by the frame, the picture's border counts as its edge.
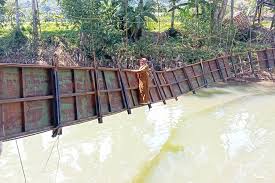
(266, 24)
(163, 25)
(69, 32)
(64, 30)
(48, 29)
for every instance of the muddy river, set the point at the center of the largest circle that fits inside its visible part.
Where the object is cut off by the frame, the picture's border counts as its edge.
(224, 134)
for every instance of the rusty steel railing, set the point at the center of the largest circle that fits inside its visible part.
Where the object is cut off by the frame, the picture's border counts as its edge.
(35, 99)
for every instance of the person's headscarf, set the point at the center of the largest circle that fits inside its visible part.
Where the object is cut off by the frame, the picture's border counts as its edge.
(143, 61)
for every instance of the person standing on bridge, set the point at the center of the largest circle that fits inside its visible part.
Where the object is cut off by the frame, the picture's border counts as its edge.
(143, 81)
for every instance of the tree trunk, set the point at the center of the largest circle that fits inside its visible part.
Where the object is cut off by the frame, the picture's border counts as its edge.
(232, 12)
(222, 10)
(139, 31)
(219, 12)
(35, 33)
(197, 9)
(125, 26)
(141, 3)
(17, 16)
(173, 15)
(273, 22)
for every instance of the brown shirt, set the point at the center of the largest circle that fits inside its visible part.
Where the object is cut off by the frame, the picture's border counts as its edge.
(143, 82)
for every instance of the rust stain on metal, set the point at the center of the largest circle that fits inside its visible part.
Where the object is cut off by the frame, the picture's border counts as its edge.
(66, 82)
(86, 106)
(67, 110)
(12, 118)
(9, 83)
(36, 82)
(83, 81)
(38, 114)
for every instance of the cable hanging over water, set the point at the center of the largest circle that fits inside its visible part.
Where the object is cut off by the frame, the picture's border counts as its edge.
(21, 162)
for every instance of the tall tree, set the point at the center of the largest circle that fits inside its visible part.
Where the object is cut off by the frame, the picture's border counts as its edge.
(35, 20)
(174, 7)
(138, 16)
(173, 13)
(2, 2)
(220, 11)
(17, 15)
(232, 11)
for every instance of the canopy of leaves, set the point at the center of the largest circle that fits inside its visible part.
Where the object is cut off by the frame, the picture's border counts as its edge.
(105, 23)
(2, 3)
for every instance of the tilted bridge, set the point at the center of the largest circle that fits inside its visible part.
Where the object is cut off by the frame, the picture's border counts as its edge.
(36, 99)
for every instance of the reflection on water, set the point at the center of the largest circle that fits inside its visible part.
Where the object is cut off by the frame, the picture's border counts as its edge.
(223, 134)
(238, 135)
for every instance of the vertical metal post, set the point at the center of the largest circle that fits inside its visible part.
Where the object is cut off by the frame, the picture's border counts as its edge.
(249, 56)
(226, 69)
(219, 69)
(2, 125)
(203, 74)
(188, 81)
(57, 112)
(22, 95)
(158, 85)
(107, 91)
(233, 65)
(266, 60)
(124, 94)
(195, 75)
(149, 103)
(269, 68)
(130, 90)
(98, 101)
(211, 71)
(178, 83)
(75, 97)
(241, 65)
(169, 86)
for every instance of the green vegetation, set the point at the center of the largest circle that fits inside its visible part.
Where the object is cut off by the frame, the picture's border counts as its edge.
(120, 31)
(163, 24)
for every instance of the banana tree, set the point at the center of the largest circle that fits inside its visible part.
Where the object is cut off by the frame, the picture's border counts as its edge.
(136, 18)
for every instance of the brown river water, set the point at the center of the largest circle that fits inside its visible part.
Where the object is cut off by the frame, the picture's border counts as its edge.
(224, 134)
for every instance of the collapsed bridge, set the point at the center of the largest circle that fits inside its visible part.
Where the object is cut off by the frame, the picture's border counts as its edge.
(35, 98)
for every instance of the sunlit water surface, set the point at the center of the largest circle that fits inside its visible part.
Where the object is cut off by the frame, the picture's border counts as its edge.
(223, 134)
